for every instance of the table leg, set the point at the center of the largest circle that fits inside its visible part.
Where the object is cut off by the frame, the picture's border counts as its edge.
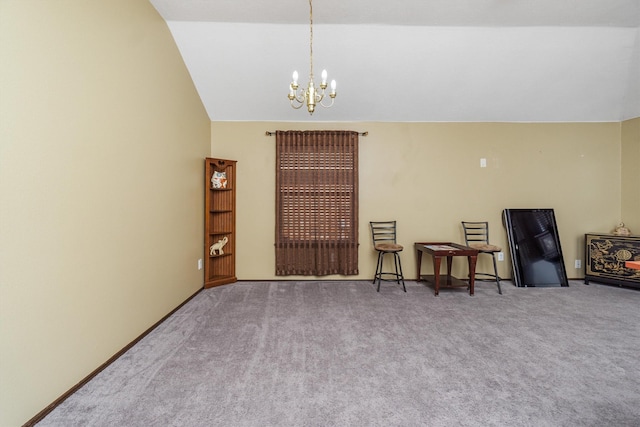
(436, 273)
(449, 264)
(418, 264)
(472, 272)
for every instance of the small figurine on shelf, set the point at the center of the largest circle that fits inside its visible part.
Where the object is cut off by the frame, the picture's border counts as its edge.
(621, 230)
(217, 247)
(219, 180)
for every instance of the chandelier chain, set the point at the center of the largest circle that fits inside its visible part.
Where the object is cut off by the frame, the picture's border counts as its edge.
(311, 39)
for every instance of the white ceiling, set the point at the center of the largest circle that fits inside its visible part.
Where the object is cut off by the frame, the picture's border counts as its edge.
(415, 60)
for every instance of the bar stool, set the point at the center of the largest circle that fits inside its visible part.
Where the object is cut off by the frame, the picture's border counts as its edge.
(476, 236)
(384, 241)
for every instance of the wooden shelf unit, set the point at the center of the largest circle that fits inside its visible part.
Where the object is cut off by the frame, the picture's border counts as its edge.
(220, 222)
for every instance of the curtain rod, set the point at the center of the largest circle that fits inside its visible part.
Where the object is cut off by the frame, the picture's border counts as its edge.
(271, 133)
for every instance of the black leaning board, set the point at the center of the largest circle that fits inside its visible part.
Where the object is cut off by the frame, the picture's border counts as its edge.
(534, 242)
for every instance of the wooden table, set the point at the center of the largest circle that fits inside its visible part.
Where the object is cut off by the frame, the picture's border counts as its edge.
(439, 250)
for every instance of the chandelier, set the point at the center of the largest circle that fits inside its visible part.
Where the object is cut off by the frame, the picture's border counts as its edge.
(310, 96)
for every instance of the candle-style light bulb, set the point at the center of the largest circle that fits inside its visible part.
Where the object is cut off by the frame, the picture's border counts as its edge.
(324, 77)
(295, 77)
(333, 86)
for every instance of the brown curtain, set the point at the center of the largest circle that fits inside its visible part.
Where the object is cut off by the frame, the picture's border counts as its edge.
(316, 203)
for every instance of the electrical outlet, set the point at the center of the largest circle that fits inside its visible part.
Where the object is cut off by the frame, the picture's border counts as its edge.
(578, 264)
(500, 256)
(200, 264)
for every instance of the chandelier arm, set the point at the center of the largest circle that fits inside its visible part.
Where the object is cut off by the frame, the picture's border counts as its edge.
(301, 96)
(330, 105)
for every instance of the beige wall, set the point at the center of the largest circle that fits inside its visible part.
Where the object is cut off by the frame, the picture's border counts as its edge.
(428, 177)
(102, 136)
(631, 174)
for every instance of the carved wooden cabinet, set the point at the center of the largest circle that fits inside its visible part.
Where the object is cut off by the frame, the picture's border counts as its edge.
(220, 222)
(606, 256)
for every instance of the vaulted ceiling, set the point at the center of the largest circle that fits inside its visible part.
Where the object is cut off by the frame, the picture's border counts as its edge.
(415, 60)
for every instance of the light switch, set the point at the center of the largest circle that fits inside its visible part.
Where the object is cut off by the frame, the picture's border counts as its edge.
(483, 163)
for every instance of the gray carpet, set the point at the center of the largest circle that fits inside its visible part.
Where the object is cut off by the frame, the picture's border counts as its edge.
(340, 354)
